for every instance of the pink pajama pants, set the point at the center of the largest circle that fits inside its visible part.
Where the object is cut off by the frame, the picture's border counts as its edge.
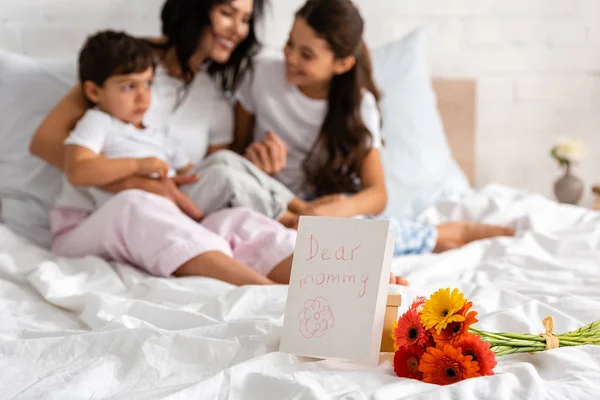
(150, 232)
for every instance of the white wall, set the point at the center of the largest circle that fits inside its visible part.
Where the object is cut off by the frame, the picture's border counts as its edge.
(537, 63)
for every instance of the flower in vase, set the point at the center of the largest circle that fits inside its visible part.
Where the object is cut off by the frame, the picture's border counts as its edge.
(568, 151)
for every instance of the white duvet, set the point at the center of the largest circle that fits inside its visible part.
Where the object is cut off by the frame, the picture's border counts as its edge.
(85, 329)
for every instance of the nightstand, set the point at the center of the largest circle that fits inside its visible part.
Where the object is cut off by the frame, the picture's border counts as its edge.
(596, 190)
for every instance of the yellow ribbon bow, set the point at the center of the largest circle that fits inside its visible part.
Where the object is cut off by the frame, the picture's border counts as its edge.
(552, 341)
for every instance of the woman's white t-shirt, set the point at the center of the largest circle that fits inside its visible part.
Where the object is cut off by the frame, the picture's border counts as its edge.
(200, 116)
(283, 109)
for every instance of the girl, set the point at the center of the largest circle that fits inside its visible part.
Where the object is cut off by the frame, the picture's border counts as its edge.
(322, 101)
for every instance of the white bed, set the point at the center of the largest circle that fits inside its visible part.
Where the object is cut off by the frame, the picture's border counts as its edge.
(84, 329)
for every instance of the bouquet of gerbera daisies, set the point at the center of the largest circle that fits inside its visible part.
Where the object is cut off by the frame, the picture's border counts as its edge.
(435, 342)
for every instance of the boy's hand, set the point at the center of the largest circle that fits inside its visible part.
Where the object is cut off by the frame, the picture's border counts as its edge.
(152, 166)
(185, 170)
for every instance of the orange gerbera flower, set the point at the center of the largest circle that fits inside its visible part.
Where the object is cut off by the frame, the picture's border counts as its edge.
(406, 364)
(410, 333)
(473, 346)
(456, 330)
(447, 366)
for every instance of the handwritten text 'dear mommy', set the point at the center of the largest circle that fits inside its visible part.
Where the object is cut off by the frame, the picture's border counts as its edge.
(338, 288)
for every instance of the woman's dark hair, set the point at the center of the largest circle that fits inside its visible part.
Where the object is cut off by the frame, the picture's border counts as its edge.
(184, 22)
(344, 141)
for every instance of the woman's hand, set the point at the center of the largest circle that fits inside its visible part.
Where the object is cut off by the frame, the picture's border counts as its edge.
(186, 205)
(167, 187)
(269, 155)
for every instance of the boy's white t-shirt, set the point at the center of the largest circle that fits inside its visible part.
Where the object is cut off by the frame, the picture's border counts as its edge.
(283, 109)
(104, 134)
(182, 125)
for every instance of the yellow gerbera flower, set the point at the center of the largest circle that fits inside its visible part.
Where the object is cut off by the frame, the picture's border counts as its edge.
(442, 308)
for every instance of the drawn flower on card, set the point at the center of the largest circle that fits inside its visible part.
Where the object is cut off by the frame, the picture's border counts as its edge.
(315, 318)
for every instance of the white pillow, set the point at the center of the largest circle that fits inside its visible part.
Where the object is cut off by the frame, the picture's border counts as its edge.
(419, 168)
(29, 88)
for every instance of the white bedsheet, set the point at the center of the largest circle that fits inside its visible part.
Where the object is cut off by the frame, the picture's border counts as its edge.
(85, 329)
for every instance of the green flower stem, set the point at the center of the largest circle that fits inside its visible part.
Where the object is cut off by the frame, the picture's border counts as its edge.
(522, 336)
(517, 350)
(504, 343)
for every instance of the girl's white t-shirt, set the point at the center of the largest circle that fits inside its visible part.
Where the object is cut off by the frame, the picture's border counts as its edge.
(283, 109)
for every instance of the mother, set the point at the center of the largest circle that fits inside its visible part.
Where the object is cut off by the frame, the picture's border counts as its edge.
(143, 224)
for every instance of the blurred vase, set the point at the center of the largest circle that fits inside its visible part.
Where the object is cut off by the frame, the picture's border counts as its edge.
(568, 189)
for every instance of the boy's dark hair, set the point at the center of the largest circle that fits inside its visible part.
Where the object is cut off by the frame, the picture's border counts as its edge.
(109, 53)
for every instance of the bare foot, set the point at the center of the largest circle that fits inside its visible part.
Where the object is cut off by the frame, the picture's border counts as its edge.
(397, 280)
(456, 234)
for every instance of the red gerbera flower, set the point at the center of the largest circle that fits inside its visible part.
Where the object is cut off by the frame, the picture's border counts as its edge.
(447, 366)
(456, 330)
(410, 333)
(406, 364)
(418, 303)
(473, 346)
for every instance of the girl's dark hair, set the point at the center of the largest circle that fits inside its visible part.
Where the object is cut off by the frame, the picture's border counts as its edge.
(344, 141)
(184, 22)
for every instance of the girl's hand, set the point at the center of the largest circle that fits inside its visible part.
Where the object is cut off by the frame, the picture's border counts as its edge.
(336, 205)
(269, 155)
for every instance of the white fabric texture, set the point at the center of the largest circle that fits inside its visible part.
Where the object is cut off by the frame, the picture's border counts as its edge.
(418, 163)
(283, 109)
(30, 88)
(88, 329)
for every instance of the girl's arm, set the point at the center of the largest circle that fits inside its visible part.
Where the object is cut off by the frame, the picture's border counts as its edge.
(83, 167)
(372, 198)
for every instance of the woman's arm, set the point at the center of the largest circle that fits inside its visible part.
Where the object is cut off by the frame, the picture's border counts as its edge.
(47, 142)
(244, 125)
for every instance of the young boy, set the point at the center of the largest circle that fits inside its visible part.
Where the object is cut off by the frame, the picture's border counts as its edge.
(114, 140)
